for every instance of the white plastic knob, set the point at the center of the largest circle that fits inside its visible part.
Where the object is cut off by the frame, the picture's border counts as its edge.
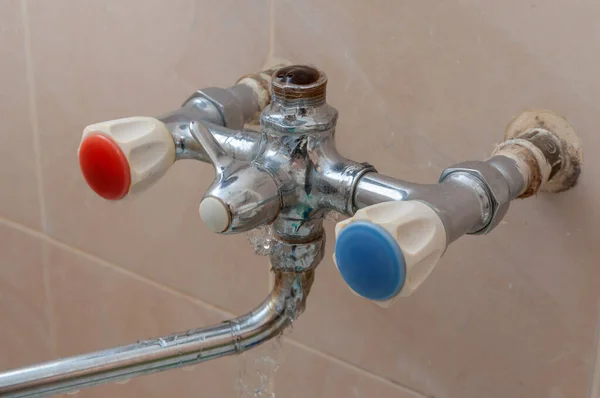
(215, 214)
(413, 226)
(124, 156)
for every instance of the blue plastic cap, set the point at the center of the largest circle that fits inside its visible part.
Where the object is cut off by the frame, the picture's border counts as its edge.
(370, 261)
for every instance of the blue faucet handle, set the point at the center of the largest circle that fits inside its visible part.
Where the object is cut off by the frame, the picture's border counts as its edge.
(387, 250)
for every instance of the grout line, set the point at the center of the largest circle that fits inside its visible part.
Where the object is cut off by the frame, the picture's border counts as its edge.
(33, 120)
(349, 365)
(272, 59)
(141, 278)
(210, 306)
(269, 63)
(33, 113)
(271, 52)
(21, 228)
(117, 268)
(49, 305)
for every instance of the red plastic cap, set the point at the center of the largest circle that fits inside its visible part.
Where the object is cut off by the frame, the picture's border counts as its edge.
(104, 166)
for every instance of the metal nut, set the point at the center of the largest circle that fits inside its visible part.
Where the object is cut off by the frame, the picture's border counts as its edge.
(226, 103)
(494, 182)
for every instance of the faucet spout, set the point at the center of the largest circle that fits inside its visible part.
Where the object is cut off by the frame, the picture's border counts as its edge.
(285, 303)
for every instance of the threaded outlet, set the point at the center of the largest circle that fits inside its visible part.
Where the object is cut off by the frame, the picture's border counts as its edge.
(299, 85)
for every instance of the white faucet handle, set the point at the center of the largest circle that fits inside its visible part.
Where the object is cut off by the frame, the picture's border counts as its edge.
(387, 250)
(124, 156)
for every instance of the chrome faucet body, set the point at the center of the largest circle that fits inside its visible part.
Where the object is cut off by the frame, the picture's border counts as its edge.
(287, 178)
(296, 148)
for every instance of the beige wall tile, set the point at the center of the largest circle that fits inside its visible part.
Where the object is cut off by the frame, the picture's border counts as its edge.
(25, 329)
(18, 197)
(99, 60)
(510, 314)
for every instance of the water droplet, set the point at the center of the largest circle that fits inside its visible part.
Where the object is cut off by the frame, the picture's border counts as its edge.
(261, 239)
(74, 392)
(122, 382)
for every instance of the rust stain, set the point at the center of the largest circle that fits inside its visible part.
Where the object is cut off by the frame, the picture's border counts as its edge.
(549, 145)
(535, 172)
(558, 142)
(572, 177)
(535, 177)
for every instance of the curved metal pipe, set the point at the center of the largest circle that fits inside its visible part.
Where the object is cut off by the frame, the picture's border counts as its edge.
(280, 309)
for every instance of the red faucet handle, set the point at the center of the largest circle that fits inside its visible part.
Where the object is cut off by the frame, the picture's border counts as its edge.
(125, 156)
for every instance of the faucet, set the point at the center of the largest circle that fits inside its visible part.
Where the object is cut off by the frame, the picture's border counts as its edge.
(282, 182)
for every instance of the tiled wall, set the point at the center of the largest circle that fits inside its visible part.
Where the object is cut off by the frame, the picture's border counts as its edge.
(419, 85)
